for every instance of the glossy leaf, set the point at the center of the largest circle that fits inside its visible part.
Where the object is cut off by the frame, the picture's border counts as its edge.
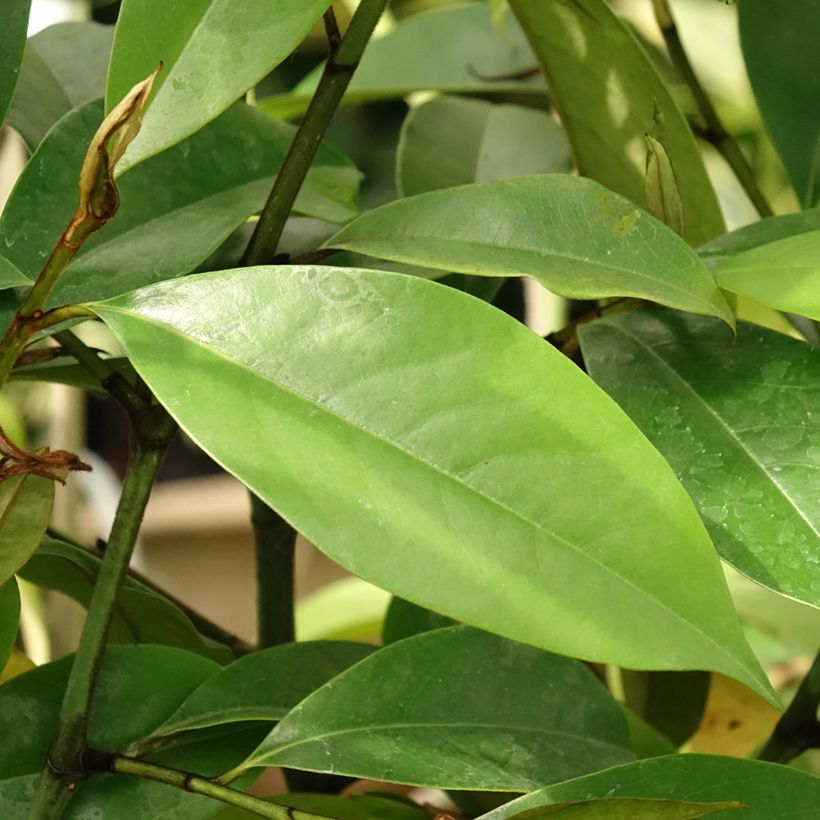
(264, 685)
(454, 50)
(403, 620)
(575, 237)
(53, 80)
(738, 423)
(455, 708)
(168, 221)
(212, 52)
(451, 141)
(609, 95)
(10, 276)
(783, 274)
(758, 233)
(9, 619)
(363, 412)
(12, 43)
(627, 808)
(768, 790)
(140, 614)
(783, 63)
(25, 507)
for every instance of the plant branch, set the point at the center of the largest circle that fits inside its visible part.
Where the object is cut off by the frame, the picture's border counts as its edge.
(189, 782)
(65, 756)
(339, 69)
(566, 339)
(798, 728)
(712, 129)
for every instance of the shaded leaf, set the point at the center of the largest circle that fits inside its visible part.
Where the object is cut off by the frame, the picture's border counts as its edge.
(9, 619)
(454, 50)
(403, 620)
(264, 685)
(378, 385)
(760, 233)
(140, 614)
(168, 221)
(768, 790)
(609, 95)
(212, 52)
(25, 507)
(355, 807)
(783, 62)
(12, 43)
(10, 276)
(645, 740)
(451, 141)
(52, 78)
(575, 237)
(66, 372)
(627, 808)
(16, 664)
(455, 708)
(737, 422)
(784, 274)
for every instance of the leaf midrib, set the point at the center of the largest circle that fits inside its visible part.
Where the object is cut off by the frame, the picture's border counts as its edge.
(733, 661)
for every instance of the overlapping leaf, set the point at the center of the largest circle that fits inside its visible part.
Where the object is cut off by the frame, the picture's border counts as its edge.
(575, 237)
(738, 423)
(9, 619)
(12, 43)
(212, 52)
(25, 507)
(627, 808)
(609, 95)
(355, 386)
(454, 708)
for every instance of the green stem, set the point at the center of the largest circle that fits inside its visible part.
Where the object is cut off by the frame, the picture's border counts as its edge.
(65, 764)
(275, 548)
(712, 130)
(338, 72)
(189, 782)
(798, 728)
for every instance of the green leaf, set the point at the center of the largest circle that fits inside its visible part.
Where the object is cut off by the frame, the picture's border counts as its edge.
(453, 50)
(9, 619)
(264, 685)
(627, 808)
(67, 372)
(768, 790)
(140, 615)
(52, 78)
(783, 62)
(609, 95)
(645, 740)
(345, 610)
(575, 237)
(25, 507)
(355, 807)
(212, 52)
(783, 274)
(403, 620)
(759, 233)
(451, 141)
(12, 43)
(737, 422)
(10, 276)
(364, 411)
(455, 708)
(168, 221)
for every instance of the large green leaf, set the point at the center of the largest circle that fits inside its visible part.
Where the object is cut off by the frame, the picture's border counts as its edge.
(760, 233)
(768, 790)
(430, 442)
(176, 209)
(451, 141)
(455, 50)
(25, 507)
(12, 43)
(783, 274)
(9, 619)
(627, 808)
(609, 96)
(738, 423)
(783, 62)
(572, 235)
(264, 685)
(140, 615)
(455, 708)
(53, 79)
(212, 52)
